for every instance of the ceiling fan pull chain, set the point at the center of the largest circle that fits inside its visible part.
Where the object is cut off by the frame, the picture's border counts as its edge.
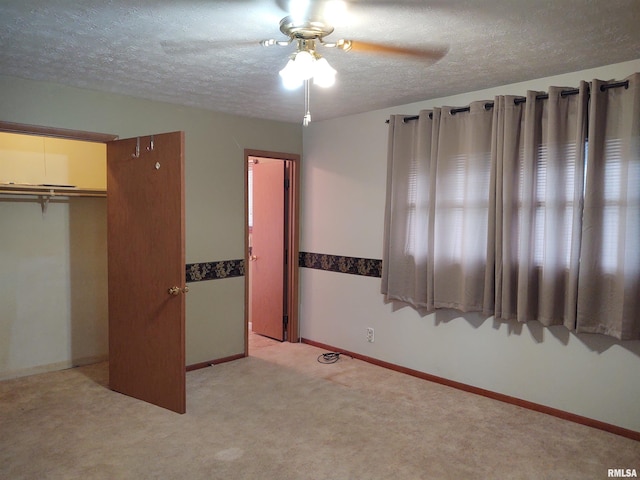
(307, 116)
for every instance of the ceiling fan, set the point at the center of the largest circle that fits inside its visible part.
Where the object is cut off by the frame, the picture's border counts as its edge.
(306, 28)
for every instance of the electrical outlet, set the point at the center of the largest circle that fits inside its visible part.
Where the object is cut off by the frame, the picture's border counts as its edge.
(370, 336)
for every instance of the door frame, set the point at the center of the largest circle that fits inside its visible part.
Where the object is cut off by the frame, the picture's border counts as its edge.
(292, 241)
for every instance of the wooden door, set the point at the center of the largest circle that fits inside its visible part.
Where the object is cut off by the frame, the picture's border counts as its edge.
(145, 218)
(268, 248)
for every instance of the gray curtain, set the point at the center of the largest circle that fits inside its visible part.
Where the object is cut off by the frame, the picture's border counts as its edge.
(407, 268)
(537, 186)
(437, 209)
(497, 210)
(461, 212)
(609, 283)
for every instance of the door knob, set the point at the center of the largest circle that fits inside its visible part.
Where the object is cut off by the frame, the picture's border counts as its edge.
(177, 290)
(253, 258)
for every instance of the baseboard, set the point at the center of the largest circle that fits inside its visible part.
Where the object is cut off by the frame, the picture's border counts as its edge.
(51, 367)
(54, 367)
(572, 417)
(197, 366)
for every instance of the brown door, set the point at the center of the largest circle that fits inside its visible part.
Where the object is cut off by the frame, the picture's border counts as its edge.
(267, 255)
(145, 218)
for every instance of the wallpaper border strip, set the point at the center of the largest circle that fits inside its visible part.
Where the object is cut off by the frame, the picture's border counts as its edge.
(365, 267)
(198, 272)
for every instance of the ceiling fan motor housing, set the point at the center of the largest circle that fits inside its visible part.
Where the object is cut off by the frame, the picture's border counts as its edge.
(308, 30)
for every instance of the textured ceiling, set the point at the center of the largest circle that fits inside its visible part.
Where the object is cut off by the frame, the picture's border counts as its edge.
(206, 53)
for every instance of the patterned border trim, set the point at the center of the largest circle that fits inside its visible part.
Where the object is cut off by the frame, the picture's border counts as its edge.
(367, 267)
(198, 272)
(335, 263)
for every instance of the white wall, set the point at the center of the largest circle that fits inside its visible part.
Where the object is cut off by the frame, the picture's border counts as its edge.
(53, 285)
(343, 194)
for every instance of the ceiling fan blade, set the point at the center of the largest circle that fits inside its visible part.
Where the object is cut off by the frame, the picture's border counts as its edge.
(433, 53)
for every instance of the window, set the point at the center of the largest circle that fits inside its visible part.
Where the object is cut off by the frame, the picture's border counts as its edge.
(511, 212)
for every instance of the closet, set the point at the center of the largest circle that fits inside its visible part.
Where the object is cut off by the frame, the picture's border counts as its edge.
(53, 280)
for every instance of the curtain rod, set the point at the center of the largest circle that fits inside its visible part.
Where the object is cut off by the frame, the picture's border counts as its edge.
(519, 100)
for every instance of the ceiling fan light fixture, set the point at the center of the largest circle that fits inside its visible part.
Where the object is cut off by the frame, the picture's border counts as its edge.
(290, 78)
(304, 64)
(324, 75)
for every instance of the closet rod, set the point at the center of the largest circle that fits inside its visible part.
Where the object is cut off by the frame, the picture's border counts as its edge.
(519, 100)
(49, 194)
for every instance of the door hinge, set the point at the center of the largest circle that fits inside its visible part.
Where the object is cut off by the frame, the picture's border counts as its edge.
(285, 324)
(287, 183)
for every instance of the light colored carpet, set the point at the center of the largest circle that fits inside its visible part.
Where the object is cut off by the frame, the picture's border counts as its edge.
(280, 414)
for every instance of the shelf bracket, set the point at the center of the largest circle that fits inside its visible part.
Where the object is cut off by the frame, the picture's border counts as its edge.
(44, 203)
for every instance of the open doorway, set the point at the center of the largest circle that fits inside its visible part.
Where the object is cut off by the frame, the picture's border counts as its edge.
(271, 246)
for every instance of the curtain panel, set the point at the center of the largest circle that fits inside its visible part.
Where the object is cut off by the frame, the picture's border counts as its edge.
(407, 267)
(529, 210)
(537, 187)
(609, 283)
(437, 206)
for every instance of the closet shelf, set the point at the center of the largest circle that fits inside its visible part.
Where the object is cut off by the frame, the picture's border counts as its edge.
(49, 190)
